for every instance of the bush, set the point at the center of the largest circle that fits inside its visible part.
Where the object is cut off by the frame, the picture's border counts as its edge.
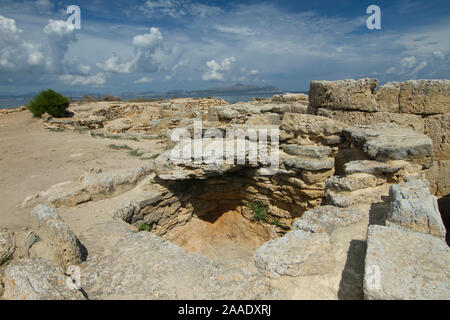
(259, 211)
(48, 101)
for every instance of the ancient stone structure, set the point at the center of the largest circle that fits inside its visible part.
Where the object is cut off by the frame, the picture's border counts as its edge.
(352, 161)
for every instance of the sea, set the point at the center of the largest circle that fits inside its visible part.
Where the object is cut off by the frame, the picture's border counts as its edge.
(17, 102)
(13, 102)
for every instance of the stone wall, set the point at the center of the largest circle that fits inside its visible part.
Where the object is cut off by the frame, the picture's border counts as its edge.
(421, 105)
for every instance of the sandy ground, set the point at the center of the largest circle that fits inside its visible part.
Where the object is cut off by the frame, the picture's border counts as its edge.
(32, 159)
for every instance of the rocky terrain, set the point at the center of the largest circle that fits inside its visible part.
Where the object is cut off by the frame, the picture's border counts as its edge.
(354, 209)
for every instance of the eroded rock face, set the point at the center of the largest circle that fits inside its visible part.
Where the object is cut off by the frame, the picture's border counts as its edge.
(57, 242)
(327, 218)
(344, 94)
(384, 142)
(7, 244)
(425, 96)
(141, 265)
(403, 265)
(413, 207)
(298, 253)
(37, 279)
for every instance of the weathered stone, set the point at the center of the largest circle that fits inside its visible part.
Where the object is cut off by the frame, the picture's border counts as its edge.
(7, 244)
(264, 119)
(439, 177)
(328, 218)
(413, 207)
(403, 265)
(316, 152)
(118, 125)
(313, 177)
(387, 97)
(353, 182)
(37, 279)
(290, 97)
(296, 163)
(437, 127)
(410, 121)
(141, 265)
(57, 242)
(351, 198)
(298, 253)
(383, 142)
(387, 168)
(344, 94)
(425, 96)
(312, 127)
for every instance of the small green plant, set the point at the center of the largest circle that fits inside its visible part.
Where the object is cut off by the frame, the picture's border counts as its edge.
(119, 147)
(276, 222)
(259, 211)
(143, 227)
(49, 101)
(136, 153)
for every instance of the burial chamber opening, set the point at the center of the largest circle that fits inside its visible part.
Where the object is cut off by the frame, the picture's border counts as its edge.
(223, 218)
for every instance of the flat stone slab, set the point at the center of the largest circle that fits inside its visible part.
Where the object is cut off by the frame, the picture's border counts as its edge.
(405, 265)
(383, 142)
(380, 168)
(297, 253)
(328, 218)
(7, 244)
(300, 163)
(37, 279)
(413, 207)
(316, 152)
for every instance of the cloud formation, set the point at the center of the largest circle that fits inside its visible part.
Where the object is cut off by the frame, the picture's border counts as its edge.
(216, 71)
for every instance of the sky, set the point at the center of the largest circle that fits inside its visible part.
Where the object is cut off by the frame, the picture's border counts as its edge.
(162, 45)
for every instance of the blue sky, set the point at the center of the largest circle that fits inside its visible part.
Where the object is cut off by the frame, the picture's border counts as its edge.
(161, 45)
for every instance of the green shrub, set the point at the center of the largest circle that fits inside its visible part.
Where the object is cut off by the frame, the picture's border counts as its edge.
(259, 211)
(144, 227)
(48, 101)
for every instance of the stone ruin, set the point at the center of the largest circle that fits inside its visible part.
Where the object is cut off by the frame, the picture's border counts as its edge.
(353, 202)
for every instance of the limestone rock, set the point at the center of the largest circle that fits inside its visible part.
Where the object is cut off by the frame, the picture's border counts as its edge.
(383, 142)
(387, 97)
(353, 182)
(37, 279)
(409, 121)
(7, 244)
(437, 127)
(141, 265)
(311, 127)
(388, 168)
(290, 97)
(327, 218)
(413, 207)
(344, 94)
(57, 242)
(405, 265)
(425, 96)
(315, 152)
(298, 253)
(297, 163)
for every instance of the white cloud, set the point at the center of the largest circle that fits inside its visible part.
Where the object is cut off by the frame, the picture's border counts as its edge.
(408, 62)
(216, 70)
(144, 80)
(439, 54)
(148, 50)
(241, 31)
(422, 65)
(95, 80)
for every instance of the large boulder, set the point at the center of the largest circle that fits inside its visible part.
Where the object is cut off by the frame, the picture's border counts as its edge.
(311, 127)
(7, 244)
(57, 241)
(413, 207)
(37, 279)
(425, 96)
(328, 218)
(405, 265)
(298, 253)
(140, 265)
(384, 142)
(346, 94)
